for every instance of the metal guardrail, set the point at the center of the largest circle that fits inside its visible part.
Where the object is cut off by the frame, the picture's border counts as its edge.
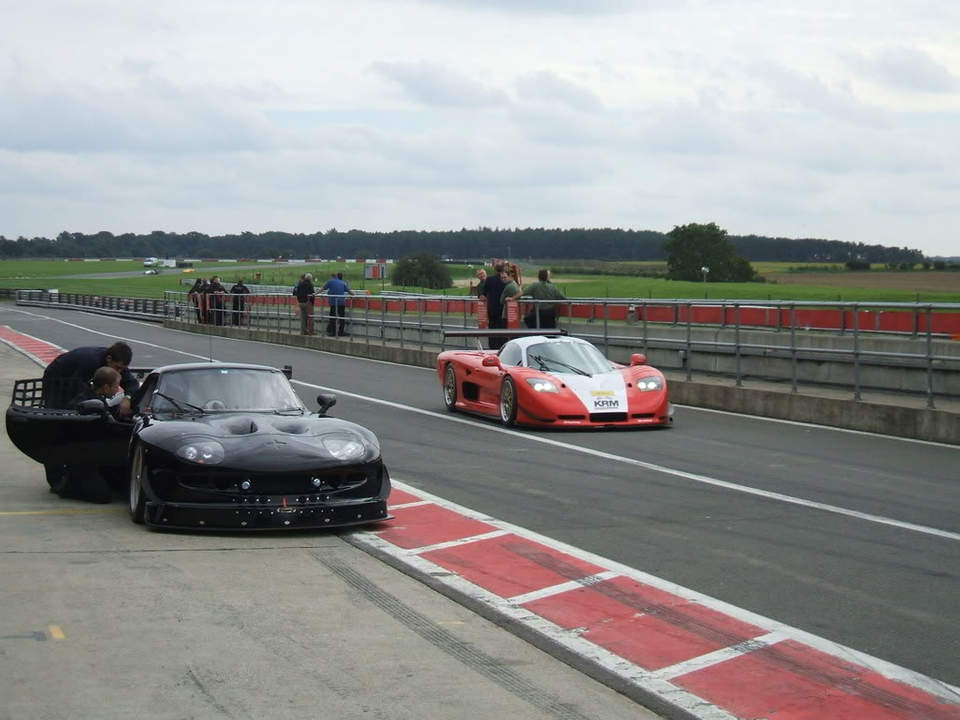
(742, 339)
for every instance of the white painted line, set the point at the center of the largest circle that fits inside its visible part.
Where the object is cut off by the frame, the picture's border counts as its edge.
(930, 685)
(716, 482)
(817, 427)
(718, 656)
(455, 543)
(419, 503)
(562, 588)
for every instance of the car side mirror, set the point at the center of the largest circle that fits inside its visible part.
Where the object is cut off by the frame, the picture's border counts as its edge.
(490, 361)
(92, 407)
(326, 401)
(638, 359)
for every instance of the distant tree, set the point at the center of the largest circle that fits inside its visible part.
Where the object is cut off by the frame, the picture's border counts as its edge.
(857, 265)
(421, 270)
(690, 248)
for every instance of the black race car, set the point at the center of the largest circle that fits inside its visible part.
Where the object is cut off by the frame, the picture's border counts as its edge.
(216, 446)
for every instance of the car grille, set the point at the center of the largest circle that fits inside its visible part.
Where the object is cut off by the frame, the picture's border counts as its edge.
(608, 417)
(332, 482)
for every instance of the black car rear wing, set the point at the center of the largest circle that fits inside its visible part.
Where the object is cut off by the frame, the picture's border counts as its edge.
(30, 392)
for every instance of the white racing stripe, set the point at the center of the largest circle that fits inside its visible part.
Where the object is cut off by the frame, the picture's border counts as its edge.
(769, 495)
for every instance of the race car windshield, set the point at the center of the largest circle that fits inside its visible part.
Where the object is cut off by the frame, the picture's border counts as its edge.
(580, 358)
(231, 389)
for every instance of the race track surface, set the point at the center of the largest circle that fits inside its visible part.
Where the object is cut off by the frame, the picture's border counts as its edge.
(852, 537)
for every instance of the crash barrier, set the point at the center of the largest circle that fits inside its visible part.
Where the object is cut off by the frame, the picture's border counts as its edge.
(153, 309)
(741, 345)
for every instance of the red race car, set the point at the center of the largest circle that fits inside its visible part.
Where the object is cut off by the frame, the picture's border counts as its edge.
(551, 380)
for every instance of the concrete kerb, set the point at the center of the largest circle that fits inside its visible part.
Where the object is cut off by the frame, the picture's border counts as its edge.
(882, 415)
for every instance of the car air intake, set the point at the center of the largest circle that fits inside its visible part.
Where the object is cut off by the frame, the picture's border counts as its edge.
(608, 417)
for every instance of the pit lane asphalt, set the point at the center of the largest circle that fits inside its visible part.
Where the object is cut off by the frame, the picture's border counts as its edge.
(105, 619)
(885, 590)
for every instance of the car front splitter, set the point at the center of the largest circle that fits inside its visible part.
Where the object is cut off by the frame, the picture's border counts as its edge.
(230, 517)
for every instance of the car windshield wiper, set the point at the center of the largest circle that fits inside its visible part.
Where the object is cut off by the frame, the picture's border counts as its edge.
(543, 364)
(178, 406)
(278, 411)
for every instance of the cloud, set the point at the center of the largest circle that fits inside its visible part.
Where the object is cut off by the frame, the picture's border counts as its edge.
(905, 68)
(150, 114)
(547, 87)
(436, 85)
(552, 7)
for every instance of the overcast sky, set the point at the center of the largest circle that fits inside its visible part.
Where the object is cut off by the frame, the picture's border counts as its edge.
(797, 118)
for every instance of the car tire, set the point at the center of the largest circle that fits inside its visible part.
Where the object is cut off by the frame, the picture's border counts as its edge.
(138, 500)
(450, 388)
(508, 402)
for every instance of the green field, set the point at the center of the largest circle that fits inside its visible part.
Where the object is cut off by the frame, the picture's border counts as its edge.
(52, 274)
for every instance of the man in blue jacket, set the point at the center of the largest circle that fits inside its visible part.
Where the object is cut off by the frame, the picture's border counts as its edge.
(337, 290)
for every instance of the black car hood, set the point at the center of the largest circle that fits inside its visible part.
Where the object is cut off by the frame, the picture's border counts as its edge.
(261, 441)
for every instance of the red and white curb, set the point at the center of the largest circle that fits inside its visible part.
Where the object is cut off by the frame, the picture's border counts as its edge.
(40, 351)
(697, 655)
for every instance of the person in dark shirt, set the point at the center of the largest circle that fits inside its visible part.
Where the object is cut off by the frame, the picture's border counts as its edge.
(239, 292)
(193, 294)
(305, 292)
(67, 374)
(493, 290)
(215, 293)
(203, 295)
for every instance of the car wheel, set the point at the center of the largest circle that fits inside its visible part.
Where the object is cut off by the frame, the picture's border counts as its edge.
(508, 402)
(138, 500)
(450, 388)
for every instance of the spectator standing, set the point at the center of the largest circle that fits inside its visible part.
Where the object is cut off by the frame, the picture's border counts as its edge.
(493, 290)
(306, 292)
(337, 289)
(544, 314)
(193, 295)
(239, 292)
(511, 290)
(204, 297)
(481, 282)
(215, 295)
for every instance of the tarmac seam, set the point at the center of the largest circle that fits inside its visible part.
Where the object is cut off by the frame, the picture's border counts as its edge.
(449, 643)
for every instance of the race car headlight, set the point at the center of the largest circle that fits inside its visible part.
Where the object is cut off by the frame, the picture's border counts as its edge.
(541, 385)
(201, 452)
(650, 383)
(344, 447)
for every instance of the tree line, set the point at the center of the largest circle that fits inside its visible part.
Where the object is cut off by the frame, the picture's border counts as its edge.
(552, 243)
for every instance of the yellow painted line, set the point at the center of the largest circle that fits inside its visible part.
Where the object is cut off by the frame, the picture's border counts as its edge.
(55, 632)
(78, 511)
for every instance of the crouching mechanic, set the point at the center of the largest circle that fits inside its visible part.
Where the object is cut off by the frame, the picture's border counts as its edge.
(87, 482)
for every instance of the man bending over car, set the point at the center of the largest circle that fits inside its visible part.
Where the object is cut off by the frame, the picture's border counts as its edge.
(69, 373)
